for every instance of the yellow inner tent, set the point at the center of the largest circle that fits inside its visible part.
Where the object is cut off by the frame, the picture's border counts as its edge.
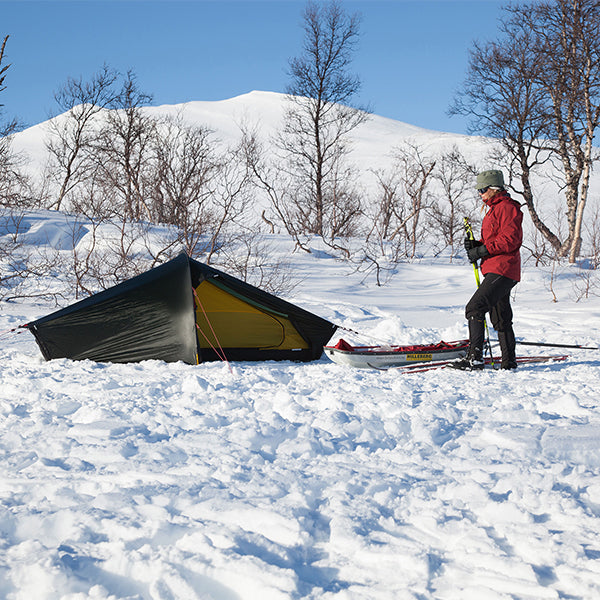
(237, 323)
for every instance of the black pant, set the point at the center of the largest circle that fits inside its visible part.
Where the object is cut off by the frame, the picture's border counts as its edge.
(493, 296)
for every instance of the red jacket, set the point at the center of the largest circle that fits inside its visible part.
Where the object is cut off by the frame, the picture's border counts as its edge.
(502, 234)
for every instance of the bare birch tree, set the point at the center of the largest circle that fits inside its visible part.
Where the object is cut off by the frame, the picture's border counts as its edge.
(455, 178)
(568, 41)
(537, 89)
(123, 151)
(71, 134)
(319, 117)
(415, 169)
(395, 216)
(14, 184)
(185, 174)
(3, 68)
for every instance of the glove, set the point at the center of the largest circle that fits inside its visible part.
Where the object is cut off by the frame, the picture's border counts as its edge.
(477, 252)
(470, 243)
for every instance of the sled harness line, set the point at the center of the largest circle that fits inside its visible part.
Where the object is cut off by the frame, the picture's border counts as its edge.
(469, 231)
(220, 352)
(366, 336)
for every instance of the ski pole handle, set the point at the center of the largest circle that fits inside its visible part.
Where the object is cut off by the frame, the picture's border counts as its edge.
(469, 231)
(468, 228)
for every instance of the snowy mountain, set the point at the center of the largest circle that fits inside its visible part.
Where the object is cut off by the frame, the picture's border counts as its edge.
(373, 140)
(285, 481)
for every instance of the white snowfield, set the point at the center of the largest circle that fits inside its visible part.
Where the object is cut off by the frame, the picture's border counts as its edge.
(289, 481)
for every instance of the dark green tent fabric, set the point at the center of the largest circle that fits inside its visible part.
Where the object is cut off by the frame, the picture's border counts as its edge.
(147, 317)
(153, 316)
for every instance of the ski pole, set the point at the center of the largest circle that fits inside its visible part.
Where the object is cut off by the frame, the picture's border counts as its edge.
(558, 345)
(470, 235)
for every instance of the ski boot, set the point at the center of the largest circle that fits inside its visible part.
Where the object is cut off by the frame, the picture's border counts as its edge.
(473, 361)
(507, 348)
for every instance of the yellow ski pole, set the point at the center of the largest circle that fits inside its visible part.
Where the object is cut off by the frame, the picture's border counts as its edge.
(470, 235)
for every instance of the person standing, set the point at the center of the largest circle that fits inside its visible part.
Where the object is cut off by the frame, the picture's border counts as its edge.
(498, 250)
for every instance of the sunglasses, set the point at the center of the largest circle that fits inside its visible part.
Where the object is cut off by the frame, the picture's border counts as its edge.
(484, 190)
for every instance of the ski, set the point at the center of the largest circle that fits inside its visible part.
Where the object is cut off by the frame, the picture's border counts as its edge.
(442, 364)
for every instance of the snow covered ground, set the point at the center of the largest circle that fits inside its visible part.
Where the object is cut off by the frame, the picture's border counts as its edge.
(273, 481)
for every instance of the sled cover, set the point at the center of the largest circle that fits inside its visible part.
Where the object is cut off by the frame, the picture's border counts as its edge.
(184, 311)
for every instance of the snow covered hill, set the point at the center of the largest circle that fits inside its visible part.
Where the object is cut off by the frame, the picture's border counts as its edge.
(373, 145)
(373, 140)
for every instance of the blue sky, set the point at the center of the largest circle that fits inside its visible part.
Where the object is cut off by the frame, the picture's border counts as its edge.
(411, 58)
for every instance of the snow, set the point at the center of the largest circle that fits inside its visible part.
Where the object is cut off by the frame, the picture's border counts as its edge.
(280, 481)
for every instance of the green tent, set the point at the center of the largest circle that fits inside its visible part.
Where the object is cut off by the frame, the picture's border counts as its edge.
(182, 310)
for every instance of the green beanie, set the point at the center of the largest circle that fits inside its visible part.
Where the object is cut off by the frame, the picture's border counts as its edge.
(489, 179)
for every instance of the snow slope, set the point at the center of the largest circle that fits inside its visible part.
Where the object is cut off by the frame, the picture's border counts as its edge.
(159, 481)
